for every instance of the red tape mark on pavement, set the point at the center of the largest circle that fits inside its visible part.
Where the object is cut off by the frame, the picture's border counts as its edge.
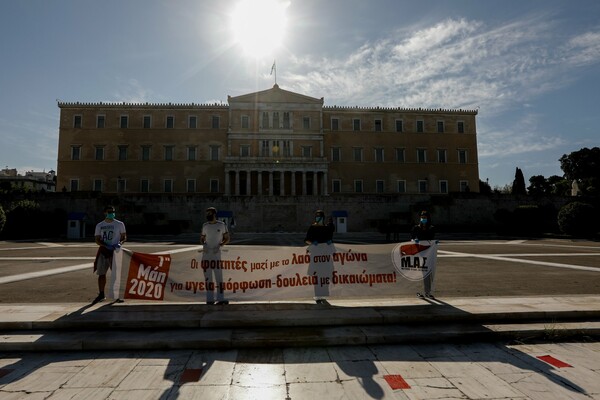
(5, 371)
(190, 375)
(555, 362)
(396, 382)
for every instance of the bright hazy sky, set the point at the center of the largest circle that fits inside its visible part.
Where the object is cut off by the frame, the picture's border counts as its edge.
(531, 67)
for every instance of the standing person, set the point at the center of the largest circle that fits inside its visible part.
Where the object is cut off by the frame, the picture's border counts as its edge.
(424, 230)
(110, 235)
(214, 236)
(320, 233)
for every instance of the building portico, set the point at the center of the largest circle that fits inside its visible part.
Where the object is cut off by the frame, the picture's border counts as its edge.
(279, 179)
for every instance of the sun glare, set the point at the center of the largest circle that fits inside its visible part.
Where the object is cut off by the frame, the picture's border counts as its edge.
(259, 26)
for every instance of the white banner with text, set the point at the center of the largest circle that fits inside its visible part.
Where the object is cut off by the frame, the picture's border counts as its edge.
(265, 273)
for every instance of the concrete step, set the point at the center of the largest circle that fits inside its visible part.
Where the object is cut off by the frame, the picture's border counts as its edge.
(305, 336)
(133, 326)
(132, 315)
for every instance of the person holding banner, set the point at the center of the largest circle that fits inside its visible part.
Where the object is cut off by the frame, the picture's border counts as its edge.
(424, 230)
(214, 236)
(110, 235)
(320, 233)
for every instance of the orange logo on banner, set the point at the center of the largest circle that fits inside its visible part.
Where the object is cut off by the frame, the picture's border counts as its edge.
(414, 261)
(147, 277)
(412, 249)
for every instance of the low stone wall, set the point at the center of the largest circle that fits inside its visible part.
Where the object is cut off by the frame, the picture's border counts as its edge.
(185, 213)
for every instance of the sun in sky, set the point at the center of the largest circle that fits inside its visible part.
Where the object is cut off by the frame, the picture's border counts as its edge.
(259, 26)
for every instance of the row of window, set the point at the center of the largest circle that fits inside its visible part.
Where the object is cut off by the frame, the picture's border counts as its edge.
(422, 185)
(146, 151)
(167, 185)
(399, 125)
(400, 155)
(336, 186)
(147, 122)
(269, 121)
(274, 148)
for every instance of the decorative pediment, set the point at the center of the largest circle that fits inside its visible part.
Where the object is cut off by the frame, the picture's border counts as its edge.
(274, 95)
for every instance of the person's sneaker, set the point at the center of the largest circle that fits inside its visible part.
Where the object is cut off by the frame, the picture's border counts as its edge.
(119, 301)
(429, 296)
(420, 295)
(98, 298)
(320, 301)
(210, 303)
(222, 302)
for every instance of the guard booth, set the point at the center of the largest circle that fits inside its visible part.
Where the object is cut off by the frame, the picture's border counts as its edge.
(76, 225)
(227, 217)
(340, 220)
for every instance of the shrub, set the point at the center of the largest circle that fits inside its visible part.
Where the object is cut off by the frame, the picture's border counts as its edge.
(578, 219)
(2, 218)
(22, 220)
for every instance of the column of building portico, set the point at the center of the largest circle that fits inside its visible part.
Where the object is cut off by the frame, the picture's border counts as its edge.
(248, 183)
(316, 187)
(237, 183)
(227, 189)
(259, 189)
(303, 183)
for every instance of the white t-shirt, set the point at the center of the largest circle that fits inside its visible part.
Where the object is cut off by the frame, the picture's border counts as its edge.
(110, 232)
(214, 234)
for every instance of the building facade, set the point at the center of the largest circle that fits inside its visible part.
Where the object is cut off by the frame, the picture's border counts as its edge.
(269, 143)
(43, 181)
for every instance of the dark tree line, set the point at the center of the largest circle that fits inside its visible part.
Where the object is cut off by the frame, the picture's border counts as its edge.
(581, 170)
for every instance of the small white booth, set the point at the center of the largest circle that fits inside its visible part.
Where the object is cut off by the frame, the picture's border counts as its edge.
(76, 225)
(227, 217)
(340, 219)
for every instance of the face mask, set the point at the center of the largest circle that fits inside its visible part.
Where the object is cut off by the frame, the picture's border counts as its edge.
(110, 215)
(319, 219)
(423, 221)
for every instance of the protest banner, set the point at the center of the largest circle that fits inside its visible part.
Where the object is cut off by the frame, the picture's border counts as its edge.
(265, 273)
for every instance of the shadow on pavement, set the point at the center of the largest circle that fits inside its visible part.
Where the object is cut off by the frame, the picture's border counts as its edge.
(231, 370)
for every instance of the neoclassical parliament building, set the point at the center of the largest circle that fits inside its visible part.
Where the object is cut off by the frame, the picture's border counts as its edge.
(269, 143)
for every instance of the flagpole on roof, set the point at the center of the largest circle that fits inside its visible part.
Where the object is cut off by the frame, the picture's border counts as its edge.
(274, 69)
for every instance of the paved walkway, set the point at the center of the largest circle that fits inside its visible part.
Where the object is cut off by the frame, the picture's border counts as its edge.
(456, 348)
(418, 371)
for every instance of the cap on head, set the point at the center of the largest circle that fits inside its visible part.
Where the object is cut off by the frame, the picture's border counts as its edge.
(320, 213)
(211, 209)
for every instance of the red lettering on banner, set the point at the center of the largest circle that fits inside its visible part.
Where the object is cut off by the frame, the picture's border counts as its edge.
(396, 382)
(147, 276)
(555, 362)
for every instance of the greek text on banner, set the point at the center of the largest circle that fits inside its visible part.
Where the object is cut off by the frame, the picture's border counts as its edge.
(262, 273)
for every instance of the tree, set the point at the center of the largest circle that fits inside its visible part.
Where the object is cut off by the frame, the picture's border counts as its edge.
(484, 187)
(583, 166)
(538, 185)
(2, 218)
(578, 219)
(518, 186)
(559, 185)
(506, 189)
(23, 219)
